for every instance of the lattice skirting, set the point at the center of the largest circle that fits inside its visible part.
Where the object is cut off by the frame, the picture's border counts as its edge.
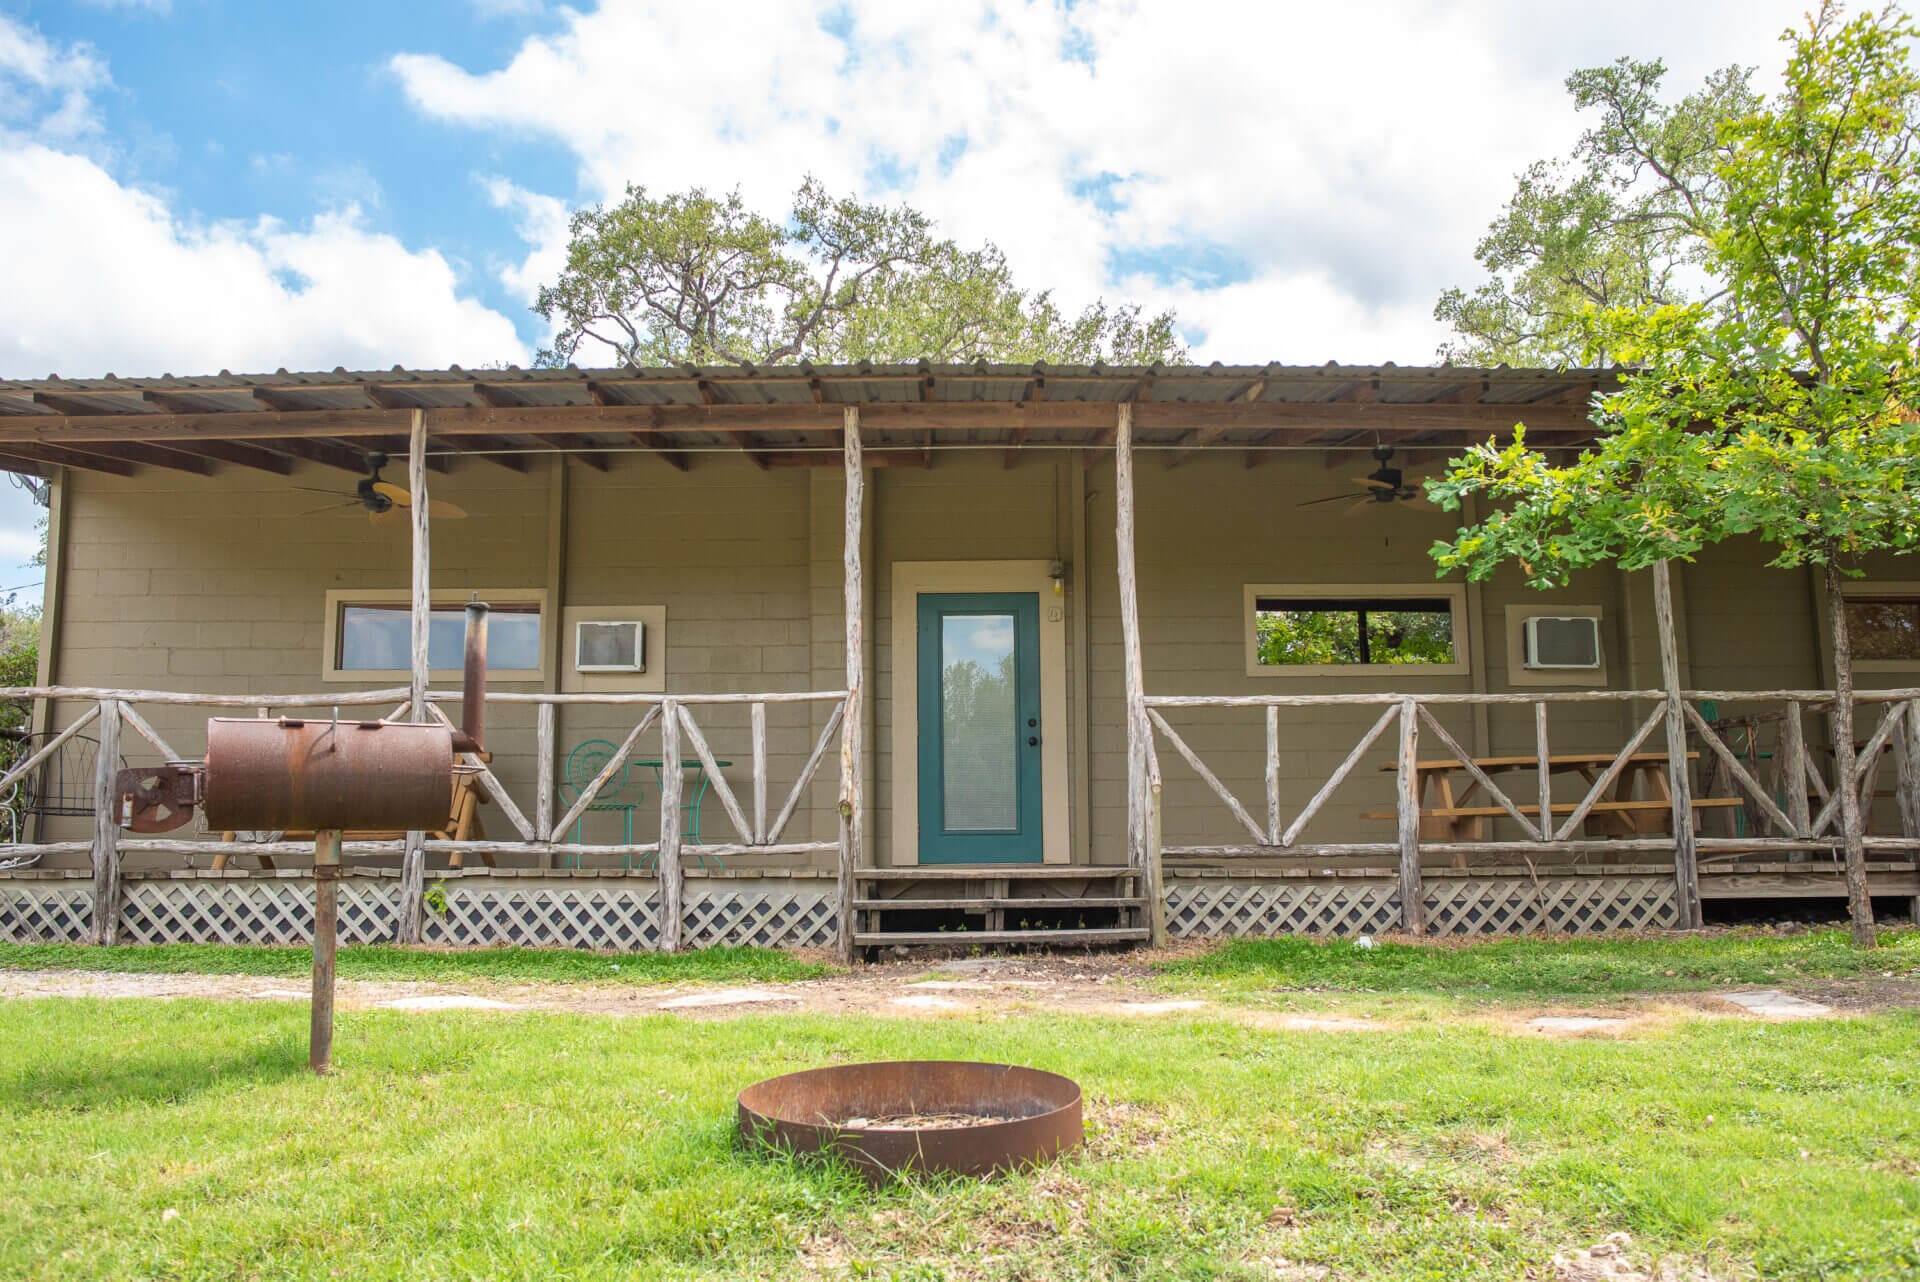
(1573, 905)
(45, 912)
(1455, 906)
(627, 918)
(252, 912)
(1265, 909)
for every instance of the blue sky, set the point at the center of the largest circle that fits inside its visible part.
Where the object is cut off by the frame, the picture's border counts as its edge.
(207, 184)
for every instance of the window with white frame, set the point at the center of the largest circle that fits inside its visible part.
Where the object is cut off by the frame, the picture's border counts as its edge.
(1317, 629)
(370, 634)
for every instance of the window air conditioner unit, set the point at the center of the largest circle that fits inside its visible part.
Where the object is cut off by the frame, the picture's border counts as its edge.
(610, 646)
(1562, 642)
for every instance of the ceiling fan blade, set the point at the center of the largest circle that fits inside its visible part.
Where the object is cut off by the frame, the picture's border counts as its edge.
(445, 510)
(395, 492)
(315, 489)
(1372, 483)
(331, 507)
(1361, 504)
(391, 517)
(1334, 498)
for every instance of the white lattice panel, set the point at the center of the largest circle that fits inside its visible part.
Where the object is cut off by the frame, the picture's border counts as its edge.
(768, 918)
(45, 912)
(616, 919)
(265, 911)
(1265, 909)
(1573, 905)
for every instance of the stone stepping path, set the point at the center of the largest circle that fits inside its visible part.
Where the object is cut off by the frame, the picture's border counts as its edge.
(1770, 1003)
(446, 1001)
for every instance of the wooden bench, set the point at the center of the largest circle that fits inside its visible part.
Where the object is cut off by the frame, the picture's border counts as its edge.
(1629, 810)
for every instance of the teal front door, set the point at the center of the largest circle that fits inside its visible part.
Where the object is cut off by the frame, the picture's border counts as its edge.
(979, 728)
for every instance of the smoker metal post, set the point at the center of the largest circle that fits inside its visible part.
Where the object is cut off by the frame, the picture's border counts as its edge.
(326, 917)
(413, 864)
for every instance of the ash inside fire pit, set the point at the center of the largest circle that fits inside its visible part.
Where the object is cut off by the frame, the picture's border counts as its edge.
(917, 1115)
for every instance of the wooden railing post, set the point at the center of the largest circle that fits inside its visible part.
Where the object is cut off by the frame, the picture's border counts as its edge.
(852, 817)
(1686, 864)
(1543, 757)
(1406, 777)
(106, 827)
(672, 878)
(1273, 775)
(1906, 758)
(1792, 769)
(543, 732)
(413, 864)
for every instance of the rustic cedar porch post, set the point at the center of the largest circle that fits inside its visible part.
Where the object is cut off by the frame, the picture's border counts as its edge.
(106, 827)
(1139, 800)
(852, 825)
(1686, 865)
(413, 864)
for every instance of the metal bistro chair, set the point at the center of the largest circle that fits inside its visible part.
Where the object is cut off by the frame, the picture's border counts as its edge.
(584, 764)
(62, 785)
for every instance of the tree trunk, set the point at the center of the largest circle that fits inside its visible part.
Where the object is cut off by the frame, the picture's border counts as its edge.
(1859, 902)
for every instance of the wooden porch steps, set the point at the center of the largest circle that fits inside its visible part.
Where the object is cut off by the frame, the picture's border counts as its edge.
(1000, 904)
(965, 938)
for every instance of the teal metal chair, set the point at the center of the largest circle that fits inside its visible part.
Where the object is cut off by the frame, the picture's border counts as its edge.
(584, 764)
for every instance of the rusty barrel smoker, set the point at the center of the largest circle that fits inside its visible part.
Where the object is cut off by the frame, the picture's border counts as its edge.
(326, 775)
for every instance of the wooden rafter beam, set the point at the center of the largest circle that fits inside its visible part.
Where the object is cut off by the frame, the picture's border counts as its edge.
(1036, 393)
(1293, 418)
(1202, 437)
(676, 459)
(54, 456)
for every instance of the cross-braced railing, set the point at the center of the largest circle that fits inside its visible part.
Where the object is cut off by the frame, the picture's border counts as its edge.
(1782, 817)
(674, 718)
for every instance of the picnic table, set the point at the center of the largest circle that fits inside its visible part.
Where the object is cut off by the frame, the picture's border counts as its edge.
(1639, 803)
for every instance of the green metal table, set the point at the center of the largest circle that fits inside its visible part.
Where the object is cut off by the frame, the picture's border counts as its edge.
(690, 805)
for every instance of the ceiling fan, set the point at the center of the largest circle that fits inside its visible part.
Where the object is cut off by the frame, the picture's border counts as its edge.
(383, 500)
(1385, 484)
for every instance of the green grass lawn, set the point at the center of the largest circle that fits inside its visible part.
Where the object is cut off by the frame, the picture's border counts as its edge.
(386, 962)
(1544, 969)
(184, 1139)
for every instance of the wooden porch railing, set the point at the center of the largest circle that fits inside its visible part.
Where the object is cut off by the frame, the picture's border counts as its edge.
(674, 715)
(1788, 827)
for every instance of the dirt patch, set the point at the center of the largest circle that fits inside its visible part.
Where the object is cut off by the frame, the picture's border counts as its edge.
(1613, 1260)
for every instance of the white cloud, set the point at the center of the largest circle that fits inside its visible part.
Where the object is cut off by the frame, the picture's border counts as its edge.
(1343, 159)
(46, 89)
(542, 224)
(118, 281)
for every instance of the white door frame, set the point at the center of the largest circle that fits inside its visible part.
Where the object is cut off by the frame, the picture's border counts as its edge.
(910, 579)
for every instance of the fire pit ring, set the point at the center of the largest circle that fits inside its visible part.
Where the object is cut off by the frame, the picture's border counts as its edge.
(917, 1116)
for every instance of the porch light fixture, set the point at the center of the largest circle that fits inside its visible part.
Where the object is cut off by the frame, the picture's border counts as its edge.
(1057, 571)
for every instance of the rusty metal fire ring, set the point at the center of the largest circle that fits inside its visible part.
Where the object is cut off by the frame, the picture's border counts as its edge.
(912, 1116)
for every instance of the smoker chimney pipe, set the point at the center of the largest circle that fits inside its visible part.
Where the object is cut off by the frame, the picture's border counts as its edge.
(473, 691)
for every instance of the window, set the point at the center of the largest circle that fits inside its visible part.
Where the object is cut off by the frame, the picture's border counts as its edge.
(370, 634)
(1884, 626)
(1319, 630)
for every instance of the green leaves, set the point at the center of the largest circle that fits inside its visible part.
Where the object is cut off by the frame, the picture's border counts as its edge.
(1781, 410)
(694, 278)
(1622, 222)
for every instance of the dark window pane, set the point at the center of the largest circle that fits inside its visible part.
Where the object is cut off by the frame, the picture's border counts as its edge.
(1346, 631)
(375, 638)
(1884, 627)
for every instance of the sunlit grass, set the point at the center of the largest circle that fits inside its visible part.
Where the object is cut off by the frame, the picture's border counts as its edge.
(184, 1139)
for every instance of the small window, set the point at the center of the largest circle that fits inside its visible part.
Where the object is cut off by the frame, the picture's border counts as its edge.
(369, 634)
(379, 638)
(1884, 628)
(1315, 631)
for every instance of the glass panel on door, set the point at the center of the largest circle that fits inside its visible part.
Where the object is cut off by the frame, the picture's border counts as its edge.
(978, 728)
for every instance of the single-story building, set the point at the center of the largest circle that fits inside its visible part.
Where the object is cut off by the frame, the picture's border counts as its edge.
(1034, 653)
